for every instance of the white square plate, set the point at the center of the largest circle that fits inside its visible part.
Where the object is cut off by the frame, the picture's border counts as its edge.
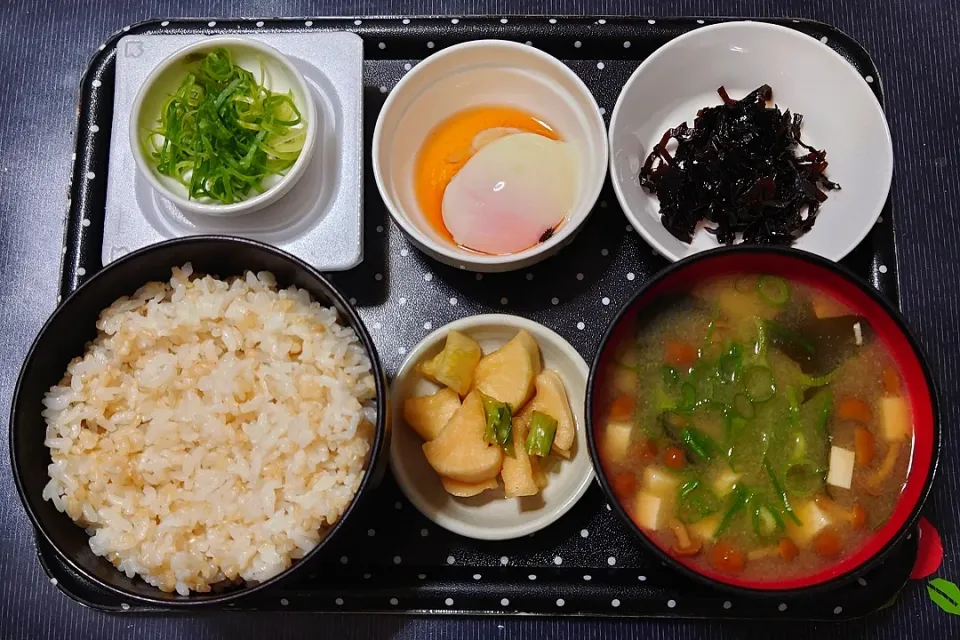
(319, 221)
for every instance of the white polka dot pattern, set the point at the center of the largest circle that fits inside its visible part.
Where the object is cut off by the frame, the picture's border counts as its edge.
(399, 290)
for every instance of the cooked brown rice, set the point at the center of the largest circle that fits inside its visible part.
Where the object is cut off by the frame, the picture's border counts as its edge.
(212, 431)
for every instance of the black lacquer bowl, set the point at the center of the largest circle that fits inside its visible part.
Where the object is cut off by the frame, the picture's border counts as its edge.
(889, 326)
(64, 337)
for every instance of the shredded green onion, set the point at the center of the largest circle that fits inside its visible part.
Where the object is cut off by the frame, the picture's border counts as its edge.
(743, 406)
(781, 494)
(695, 501)
(543, 428)
(799, 442)
(222, 133)
(766, 520)
(802, 478)
(759, 384)
(808, 382)
(773, 290)
(499, 421)
(730, 364)
(700, 444)
(688, 396)
(740, 498)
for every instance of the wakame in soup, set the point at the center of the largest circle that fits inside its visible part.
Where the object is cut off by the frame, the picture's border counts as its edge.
(754, 426)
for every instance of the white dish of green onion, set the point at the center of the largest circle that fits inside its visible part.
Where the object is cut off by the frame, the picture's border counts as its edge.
(223, 127)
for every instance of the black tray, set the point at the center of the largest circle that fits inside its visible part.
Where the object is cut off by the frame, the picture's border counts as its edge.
(394, 559)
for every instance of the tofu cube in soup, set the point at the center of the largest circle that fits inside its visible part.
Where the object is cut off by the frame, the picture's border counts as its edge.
(615, 442)
(736, 305)
(660, 482)
(813, 520)
(840, 473)
(706, 529)
(826, 307)
(725, 482)
(648, 511)
(894, 418)
(624, 380)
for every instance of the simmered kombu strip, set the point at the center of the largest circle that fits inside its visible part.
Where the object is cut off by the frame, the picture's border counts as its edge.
(737, 168)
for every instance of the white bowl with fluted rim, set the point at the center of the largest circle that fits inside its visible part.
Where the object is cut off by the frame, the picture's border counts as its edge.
(281, 76)
(490, 515)
(840, 114)
(485, 72)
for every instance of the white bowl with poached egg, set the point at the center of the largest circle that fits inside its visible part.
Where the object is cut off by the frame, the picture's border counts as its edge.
(513, 196)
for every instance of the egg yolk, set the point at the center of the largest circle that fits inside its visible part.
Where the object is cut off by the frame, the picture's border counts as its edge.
(451, 143)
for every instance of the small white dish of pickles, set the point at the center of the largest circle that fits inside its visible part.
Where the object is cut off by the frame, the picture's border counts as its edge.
(489, 434)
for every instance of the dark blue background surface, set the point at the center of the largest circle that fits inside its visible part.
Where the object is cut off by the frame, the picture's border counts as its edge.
(44, 48)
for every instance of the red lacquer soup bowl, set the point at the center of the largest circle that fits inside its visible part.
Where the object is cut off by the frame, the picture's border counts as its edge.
(888, 326)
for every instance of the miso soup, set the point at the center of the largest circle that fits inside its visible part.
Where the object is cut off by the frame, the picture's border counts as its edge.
(754, 426)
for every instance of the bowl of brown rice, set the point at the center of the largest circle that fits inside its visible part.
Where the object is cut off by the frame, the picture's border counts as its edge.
(197, 421)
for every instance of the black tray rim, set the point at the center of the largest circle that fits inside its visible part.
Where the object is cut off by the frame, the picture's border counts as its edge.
(152, 610)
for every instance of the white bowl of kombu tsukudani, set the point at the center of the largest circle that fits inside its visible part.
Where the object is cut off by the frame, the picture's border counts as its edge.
(289, 128)
(841, 116)
(491, 514)
(490, 155)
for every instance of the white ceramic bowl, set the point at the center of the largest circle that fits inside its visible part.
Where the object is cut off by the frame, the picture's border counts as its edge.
(281, 76)
(485, 72)
(490, 516)
(840, 114)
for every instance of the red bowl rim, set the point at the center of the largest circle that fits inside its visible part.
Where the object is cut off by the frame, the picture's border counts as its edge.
(920, 389)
